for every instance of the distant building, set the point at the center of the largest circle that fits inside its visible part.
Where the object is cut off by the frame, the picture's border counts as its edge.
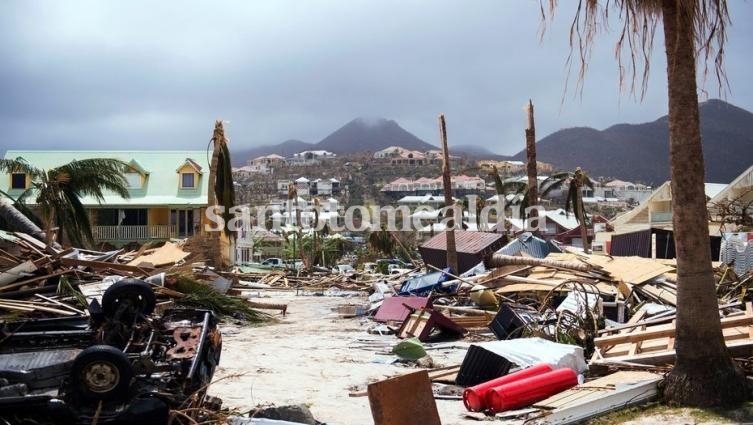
(261, 165)
(310, 157)
(512, 168)
(306, 187)
(396, 155)
(461, 185)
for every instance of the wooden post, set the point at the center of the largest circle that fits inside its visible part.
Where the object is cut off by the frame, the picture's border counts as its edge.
(452, 255)
(533, 184)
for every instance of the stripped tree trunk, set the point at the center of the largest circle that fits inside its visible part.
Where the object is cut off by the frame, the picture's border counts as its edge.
(500, 260)
(452, 255)
(582, 216)
(704, 373)
(533, 184)
(16, 220)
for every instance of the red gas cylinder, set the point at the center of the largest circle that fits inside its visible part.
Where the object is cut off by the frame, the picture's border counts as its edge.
(527, 391)
(474, 397)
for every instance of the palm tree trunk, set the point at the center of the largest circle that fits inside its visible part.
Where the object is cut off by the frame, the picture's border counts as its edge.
(533, 184)
(704, 373)
(452, 255)
(583, 224)
(217, 138)
(16, 220)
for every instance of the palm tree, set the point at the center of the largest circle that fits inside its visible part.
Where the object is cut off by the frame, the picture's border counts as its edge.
(59, 191)
(575, 182)
(704, 373)
(515, 187)
(381, 241)
(221, 190)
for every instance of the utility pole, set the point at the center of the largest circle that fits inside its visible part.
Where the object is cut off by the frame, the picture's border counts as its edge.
(452, 255)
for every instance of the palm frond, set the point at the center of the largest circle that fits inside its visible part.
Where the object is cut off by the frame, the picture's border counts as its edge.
(18, 165)
(76, 225)
(497, 180)
(554, 182)
(90, 177)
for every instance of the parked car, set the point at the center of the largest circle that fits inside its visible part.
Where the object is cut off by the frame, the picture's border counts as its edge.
(343, 269)
(370, 268)
(121, 364)
(273, 262)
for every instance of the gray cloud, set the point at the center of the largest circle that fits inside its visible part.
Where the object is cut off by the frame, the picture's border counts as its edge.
(138, 74)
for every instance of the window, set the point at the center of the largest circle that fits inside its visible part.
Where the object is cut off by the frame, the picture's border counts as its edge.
(18, 181)
(187, 180)
(133, 180)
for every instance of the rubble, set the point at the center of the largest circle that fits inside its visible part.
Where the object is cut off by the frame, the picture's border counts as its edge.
(609, 319)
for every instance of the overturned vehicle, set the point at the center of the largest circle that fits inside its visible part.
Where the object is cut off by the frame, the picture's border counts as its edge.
(121, 363)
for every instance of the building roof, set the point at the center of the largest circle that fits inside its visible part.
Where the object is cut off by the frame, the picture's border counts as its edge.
(162, 183)
(470, 246)
(663, 193)
(743, 181)
(468, 242)
(618, 183)
(713, 189)
(562, 218)
(530, 245)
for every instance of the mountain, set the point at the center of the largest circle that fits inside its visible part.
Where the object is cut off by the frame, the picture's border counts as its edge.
(370, 135)
(640, 152)
(357, 136)
(476, 152)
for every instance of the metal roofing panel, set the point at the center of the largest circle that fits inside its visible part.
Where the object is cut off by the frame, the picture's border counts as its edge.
(392, 308)
(467, 242)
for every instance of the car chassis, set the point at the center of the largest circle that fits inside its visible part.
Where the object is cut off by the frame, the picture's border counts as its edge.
(120, 364)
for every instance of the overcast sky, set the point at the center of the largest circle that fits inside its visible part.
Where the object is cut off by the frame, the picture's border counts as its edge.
(155, 74)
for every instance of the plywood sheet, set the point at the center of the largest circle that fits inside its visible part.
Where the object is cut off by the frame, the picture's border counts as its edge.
(403, 400)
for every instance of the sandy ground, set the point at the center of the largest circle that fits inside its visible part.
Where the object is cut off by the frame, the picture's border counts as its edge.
(313, 357)
(308, 358)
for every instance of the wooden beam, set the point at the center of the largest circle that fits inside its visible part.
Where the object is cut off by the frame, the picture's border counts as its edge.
(104, 265)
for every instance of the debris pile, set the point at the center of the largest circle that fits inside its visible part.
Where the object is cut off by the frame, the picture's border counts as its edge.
(109, 337)
(555, 339)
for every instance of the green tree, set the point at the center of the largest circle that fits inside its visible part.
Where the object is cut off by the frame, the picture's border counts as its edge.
(575, 183)
(704, 374)
(382, 241)
(58, 192)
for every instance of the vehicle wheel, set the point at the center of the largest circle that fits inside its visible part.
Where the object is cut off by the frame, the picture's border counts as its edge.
(101, 372)
(128, 299)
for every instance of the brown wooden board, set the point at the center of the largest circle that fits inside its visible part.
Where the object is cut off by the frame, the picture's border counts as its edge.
(403, 400)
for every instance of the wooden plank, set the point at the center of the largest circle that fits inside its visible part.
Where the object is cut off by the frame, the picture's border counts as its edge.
(34, 279)
(103, 265)
(66, 306)
(403, 400)
(664, 331)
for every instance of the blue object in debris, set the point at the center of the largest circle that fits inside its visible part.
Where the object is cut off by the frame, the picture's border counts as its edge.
(430, 282)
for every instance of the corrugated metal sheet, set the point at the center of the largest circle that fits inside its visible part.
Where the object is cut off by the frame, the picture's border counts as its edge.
(639, 243)
(629, 244)
(529, 245)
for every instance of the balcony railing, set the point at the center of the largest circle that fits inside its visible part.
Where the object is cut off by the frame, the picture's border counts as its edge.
(661, 217)
(134, 233)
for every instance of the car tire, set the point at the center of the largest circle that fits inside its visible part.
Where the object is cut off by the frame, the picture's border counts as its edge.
(101, 372)
(135, 292)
